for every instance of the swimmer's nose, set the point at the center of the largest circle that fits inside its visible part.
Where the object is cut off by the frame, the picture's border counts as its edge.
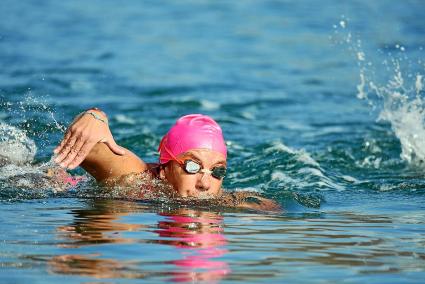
(204, 182)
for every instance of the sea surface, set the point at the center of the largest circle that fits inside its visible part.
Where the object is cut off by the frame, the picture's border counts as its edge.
(321, 104)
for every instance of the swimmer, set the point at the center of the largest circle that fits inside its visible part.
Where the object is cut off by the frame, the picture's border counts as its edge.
(192, 158)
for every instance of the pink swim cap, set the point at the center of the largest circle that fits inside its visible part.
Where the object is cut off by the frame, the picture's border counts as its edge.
(193, 131)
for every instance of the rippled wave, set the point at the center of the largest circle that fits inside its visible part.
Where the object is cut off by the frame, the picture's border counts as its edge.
(322, 109)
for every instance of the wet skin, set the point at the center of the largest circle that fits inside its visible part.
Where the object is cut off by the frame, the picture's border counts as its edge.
(201, 184)
(88, 143)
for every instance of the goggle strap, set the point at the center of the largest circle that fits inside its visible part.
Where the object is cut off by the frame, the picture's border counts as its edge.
(170, 153)
(205, 171)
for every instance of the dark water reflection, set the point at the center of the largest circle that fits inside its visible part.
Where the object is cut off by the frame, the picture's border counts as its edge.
(185, 245)
(196, 235)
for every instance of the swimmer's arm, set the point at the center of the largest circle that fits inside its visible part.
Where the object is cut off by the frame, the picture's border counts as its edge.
(88, 142)
(260, 204)
(103, 164)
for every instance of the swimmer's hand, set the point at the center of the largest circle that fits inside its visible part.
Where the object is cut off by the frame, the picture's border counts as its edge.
(262, 204)
(80, 138)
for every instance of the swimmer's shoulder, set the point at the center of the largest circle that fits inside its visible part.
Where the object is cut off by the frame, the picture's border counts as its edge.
(131, 179)
(153, 169)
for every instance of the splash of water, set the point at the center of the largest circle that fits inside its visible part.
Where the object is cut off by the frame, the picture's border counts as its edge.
(406, 115)
(33, 115)
(15, 146)
(399, 99)
(20, 176)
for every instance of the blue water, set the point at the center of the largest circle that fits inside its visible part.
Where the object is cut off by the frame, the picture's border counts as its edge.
(283, 78)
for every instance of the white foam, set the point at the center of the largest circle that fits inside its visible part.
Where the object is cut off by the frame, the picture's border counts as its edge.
(281, 176)
(311, 172)
(418, 84)
(399, 99)
(301, 155)
(15, 146)
(305, 158)
(248, 115)
(11, 170)
(280, 147)
(121, 118)
(407, 121)
(370, 161)
(285, 180)
(309, 175)
(209, 105)
(350, 179)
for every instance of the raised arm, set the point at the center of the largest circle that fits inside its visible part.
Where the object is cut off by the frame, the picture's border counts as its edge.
(88, 142)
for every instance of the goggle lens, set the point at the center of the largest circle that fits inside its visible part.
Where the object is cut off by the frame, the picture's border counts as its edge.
(193, 167)
(219, 172)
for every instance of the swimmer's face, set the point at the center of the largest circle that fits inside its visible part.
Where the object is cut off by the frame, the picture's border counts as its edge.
(201, 185)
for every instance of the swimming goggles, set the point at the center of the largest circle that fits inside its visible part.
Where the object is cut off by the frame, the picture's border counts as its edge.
(192, 167)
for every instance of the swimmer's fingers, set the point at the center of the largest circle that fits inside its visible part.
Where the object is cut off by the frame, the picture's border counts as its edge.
(73, 153)
(82, 154)
(63, 142)
(79, 127)
(66, 149)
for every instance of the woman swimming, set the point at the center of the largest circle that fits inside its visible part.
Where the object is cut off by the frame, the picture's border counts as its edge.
(193, 158)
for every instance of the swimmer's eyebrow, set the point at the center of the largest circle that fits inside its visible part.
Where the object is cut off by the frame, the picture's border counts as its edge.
(190, 155)
(221, 162)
